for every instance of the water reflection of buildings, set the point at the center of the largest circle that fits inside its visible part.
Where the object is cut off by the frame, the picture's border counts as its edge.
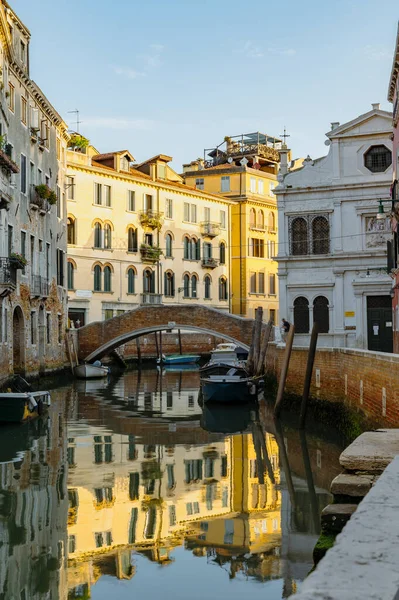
(126, 496)
(33, 511)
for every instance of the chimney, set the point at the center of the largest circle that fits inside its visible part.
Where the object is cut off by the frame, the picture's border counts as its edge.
(334, 125)
(375, 106)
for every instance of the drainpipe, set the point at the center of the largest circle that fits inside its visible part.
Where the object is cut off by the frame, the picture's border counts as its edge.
(158, 283)
(241, 291)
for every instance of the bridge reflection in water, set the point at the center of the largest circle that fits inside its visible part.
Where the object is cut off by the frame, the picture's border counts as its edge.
(152, 480)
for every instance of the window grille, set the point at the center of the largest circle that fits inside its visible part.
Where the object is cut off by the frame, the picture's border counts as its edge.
(207, 287)
(377, 159)
(321, 235)
(321, 314)
(309, 234)
(131, 275)
(301, 315)
(299, 237)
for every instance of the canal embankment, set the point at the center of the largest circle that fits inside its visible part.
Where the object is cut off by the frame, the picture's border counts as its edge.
(362, 563)
(365, 381)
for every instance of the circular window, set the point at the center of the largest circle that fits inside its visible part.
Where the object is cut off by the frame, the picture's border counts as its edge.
(377, 159)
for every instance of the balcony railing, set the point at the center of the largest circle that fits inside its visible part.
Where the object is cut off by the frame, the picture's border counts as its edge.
(150, 254)
(8, 276)
(36, 202)
(209, 263)
(6, 162)
(151, 219)
(209, 229)
(38, 286)
(150, 298)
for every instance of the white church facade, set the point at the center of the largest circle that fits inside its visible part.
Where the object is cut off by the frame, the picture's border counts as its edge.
(332, 257)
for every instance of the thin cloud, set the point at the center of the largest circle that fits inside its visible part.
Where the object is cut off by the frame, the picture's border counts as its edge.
(377, 53)
(128, 72)
(281, 51)
(120, 123)
(251, 50)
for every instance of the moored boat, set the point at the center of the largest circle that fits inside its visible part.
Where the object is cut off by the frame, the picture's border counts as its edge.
(17, 407)
(234, 386)
(90, 371)
(178, 359)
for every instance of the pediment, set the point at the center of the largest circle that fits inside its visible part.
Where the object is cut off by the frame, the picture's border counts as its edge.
(372, 122)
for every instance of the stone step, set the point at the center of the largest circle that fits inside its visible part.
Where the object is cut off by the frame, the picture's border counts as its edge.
(347, 484)
(372, 451)
(335, 516)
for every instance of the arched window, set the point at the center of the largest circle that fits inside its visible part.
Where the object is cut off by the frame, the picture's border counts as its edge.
(71, 273)
(107, 279)
(195, 249)
(97, 278)
(252, 217)
(260, 222)
(107, 236)
(299, 237)
(169, 284)
(194, 286)
(132, 239)
(131, 281)
(207, 282)
(222, 253)
(168, 245)
(71, 230)
(272, 222)
(207, 250)
(301, 315)
(187, 248)
(321, 314)
(149, 281)
(186, 286)
(320, 235)
(222, 288)
(98, 236)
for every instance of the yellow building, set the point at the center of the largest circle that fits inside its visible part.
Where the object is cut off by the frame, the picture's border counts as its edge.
(139, 235)
(244, 169)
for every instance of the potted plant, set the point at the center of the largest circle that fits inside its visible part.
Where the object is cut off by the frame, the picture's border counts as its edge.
(78, 142)
(52, 199)
(19, 261)
(151, 253)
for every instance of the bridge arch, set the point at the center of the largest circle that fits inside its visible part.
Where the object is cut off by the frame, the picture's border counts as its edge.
(100, 338)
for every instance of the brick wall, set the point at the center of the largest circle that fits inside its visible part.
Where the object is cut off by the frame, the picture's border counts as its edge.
(192, 343)
(364, 380)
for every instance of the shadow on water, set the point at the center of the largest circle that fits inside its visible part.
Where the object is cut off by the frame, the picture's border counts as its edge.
(132, 474)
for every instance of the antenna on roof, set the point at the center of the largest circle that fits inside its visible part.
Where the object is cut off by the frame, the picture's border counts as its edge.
(76, 112)
(285, 135)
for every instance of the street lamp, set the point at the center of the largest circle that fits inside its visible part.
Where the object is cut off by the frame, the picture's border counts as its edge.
(381, 214)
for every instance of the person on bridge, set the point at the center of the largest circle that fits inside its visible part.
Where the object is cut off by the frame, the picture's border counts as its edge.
(285, 327)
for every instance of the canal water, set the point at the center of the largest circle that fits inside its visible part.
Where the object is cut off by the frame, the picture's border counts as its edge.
(130, 489)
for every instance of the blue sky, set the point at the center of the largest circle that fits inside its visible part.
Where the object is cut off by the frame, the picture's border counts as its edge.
(176, 76)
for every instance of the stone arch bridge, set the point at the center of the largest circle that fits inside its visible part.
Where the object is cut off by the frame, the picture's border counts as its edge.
(101, 337)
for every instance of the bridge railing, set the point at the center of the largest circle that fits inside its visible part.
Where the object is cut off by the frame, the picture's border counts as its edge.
(149, 298)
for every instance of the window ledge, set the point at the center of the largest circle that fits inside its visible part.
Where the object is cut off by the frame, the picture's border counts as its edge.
(127, 210)
(273, 295)
(192, 259)
(101, 205)
(257, 294)
(166, 296)
(131, 293)
(103, 249)
(101, 292)
(132, 252)
(169, 257)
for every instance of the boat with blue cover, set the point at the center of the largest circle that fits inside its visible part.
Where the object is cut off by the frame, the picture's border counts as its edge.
(178, 359)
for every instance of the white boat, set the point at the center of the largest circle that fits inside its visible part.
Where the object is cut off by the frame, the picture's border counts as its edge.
(88, 371)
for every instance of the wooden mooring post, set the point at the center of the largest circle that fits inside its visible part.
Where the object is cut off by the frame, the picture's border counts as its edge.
(138, 348)
(254, 350)
(180, 344)
(260, 368)
(284, 370)
(308, 375)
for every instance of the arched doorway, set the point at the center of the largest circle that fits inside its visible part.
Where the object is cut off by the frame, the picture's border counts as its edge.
(18, 341)
(42, 340)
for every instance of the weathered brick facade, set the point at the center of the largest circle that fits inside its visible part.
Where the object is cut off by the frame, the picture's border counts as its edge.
(99, 338)
(363, 380)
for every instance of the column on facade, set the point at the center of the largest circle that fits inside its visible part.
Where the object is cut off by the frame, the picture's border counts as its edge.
(336, 245)
(359, 319)
(338, 300)
(282, 290)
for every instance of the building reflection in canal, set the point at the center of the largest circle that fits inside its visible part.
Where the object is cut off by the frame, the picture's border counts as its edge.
(130, 474)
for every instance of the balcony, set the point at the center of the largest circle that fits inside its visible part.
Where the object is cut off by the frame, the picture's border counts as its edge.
(209, 229)
(38, 286)
(6, 162)
(150, 254)
(150, 219)
(8, 276)
(209, 263)
(150, 298)
(38, 203)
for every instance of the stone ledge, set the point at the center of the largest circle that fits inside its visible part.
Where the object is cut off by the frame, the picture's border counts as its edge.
(362, 565)
(347, 484)
(372, 451)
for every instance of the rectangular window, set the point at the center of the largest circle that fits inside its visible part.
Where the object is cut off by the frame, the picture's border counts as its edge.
(172, 515)
(98, 193)
(48, 328)
(131, 200)
(261, 283)
(260, 186)
(39, 176)
(252, 283)
(24, 110)
(272, 284)
(32, 173)
(186, 216)
(225, 184)
(5, 329)
(107, 194)
(169, 208)
(11, 97)
(44, 132)
(23, 248)
(252, 184)
(189, 508)
(10, 239)
(33, 327)
(23, 174)
(48, 257)
(271, 188)
(70, 185)
(273, 315)
(108, 314)
(199, 183)
(256, 247)
(58, 147)
(207, 214)
(193, 213)
(60, 267)
(223, 219)
(60, 329)
(58, 202)
(147, 202)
